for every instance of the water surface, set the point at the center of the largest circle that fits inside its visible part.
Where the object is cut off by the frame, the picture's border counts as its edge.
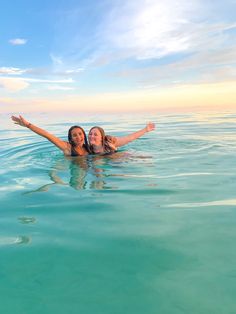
(150, 229)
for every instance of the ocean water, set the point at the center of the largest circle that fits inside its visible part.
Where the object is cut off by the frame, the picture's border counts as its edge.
(150, 229)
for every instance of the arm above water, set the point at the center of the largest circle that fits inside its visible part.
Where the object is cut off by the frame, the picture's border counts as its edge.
(123, 140)
(63, 145)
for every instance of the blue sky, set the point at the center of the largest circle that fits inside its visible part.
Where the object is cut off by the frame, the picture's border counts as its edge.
(96, 55)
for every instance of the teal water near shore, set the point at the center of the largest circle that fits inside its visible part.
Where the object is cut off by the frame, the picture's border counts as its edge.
(150, 229)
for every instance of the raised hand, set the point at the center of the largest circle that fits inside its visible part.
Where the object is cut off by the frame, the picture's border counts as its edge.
(111, 144)
(20, 120)
(150, 126)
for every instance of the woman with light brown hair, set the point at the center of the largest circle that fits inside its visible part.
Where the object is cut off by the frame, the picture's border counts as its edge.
(100, 143)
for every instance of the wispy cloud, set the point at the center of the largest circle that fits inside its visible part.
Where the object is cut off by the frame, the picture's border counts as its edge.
(149, 29)
(18, 41)
(12, 71)
(17, 84)
(139, 29)
(74, 71)
(56, 60)
(34, 80)
(212, 66)
(59, 87)
(48, 72)
(61, 65)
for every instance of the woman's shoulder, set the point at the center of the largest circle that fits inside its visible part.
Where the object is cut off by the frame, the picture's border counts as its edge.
(67, 150)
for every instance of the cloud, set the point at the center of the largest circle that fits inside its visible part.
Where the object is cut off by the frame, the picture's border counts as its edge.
(41, 71)
(138, 30)
(18, 41)
(215, 66)
(13, 84)
(59, 87)
(151, 29)
(62, 66)
(69, 80)
(12, 71)
(56, 60)
(74, 71)
(18, 84)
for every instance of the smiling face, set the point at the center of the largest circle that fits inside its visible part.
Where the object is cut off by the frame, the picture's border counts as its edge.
(95, 137)
(77, 136)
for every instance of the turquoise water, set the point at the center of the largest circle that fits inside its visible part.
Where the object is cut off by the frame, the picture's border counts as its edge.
(148, 230)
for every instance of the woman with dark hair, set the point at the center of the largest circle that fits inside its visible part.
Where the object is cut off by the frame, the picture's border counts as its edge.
(77, 144)
(100, 143)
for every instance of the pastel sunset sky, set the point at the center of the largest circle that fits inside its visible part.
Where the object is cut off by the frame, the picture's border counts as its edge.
(117, 55)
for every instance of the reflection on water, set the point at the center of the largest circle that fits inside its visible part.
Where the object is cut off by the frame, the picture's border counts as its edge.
(27, 220)
(88, 172)
(14, 240)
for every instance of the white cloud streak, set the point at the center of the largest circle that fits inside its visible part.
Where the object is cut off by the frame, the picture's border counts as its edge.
(17, 84)
(18, 41)
(74, 71)
(12, 71)
(69, 80)
(59, 87)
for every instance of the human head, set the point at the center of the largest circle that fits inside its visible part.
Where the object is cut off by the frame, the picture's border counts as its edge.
(70, 136)
(96, 136)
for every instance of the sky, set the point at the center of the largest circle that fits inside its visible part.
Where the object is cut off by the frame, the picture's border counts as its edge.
(117, 55)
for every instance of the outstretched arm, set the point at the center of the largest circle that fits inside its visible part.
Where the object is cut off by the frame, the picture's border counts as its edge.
(55, 140)
(120, 141)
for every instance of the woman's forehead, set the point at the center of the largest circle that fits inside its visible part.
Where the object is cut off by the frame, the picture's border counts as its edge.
(76, 130)
(94, 130)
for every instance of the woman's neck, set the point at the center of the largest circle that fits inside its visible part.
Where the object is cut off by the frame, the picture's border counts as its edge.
(97, 148)
(80, 149)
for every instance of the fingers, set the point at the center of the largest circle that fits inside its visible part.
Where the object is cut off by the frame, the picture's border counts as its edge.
(18, 120)
(15, 119)
(150, 126)
(153, 126)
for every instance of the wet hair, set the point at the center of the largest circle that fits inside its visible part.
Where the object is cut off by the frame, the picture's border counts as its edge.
(105, 140)
(85, 145)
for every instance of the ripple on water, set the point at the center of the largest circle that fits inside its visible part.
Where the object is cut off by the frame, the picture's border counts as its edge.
(14, 240)
(226, 202)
